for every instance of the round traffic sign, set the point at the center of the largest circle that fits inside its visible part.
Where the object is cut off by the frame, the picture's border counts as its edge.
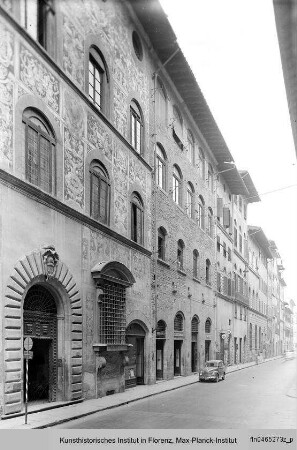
(28, 343)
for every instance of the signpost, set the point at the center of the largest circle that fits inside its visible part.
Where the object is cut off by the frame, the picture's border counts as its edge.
(28, 344)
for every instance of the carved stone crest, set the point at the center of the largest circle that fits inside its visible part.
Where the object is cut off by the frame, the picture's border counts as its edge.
(50, 258)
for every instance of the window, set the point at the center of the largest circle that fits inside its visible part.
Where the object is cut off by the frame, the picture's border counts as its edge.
(200, 212)
(136, 219)
(176, 185)
(224, 250)
(219, 279)
(161, 102)
(208, 326)
(190, 146)
(100, 192)
(256, 337)
(177, 122)
(201, 164)
(40, 151)
(190, 201)
(179, 322)
(136, 127)
(240, 239)
(209, 222)
(218, 244)
(210, 177)
(161, 329)
(160, 166)
(207, 272)
(251, 336)
(229, 254)
(195, 263)
(137, 45)
(161, 243)
(97, 79)
(180, 254)
(38, 18)
(235, 233)
(195, 324)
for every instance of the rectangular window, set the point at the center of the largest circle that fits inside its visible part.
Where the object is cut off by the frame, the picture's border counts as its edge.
(112, 314)
(95, 83)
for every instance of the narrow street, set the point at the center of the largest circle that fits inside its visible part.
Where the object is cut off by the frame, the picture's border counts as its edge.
(257, 397)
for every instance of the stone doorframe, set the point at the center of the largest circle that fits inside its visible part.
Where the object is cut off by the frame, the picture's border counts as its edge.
(35, 268)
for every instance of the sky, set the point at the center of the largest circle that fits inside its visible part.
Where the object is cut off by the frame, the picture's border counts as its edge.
(232, 48)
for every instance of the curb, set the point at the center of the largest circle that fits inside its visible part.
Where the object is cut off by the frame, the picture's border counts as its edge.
(89, 413)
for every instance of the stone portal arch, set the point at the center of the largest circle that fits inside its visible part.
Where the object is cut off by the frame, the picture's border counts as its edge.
(42, 267)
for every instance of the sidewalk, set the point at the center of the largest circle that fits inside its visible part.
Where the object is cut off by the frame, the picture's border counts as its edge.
(61, 413)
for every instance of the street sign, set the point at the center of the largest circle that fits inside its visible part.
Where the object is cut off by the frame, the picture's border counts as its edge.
(28, 354)
(28, 343)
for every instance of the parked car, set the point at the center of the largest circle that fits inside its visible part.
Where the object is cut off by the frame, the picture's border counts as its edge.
(290, 354)
(213, 370)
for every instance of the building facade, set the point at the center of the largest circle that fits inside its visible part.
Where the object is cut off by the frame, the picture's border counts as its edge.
(124, 235)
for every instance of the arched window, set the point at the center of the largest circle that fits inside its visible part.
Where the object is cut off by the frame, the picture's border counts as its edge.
(180, 254)
(207, 272)
(190, 146)
(161, 243)
(190, 201)
(176, 188)
(161, 101)
(178, 322)
(209, 222)
(40, 151)
(136, 127)
(195, 264)
(137, 215)
(100, 192)
(200, 212)
(210, 177)
(160, 166)
(195, 324)
(251, 336)
(208, 326)
(201, 164)
(98, 79)
(38, 18)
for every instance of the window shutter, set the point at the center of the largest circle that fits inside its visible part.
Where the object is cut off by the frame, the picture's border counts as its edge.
(219, 207)
(226, 217)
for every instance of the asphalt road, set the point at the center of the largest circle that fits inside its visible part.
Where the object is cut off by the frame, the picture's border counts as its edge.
(258, 397)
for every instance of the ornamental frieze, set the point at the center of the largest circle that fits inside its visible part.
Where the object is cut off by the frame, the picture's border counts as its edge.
(6, 122)
(39, 79)
(73, 115)
(74, 169)
(6, 52)
(99, 137)
(73, 52)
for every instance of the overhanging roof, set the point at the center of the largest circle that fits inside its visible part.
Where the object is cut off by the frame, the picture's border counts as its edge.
(164, 41)
(253, 194)
(286, 24)
(259, 236)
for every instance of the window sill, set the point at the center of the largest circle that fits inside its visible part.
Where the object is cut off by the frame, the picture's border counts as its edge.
(208, 285)
(160, 189)
(163, 263)
(182, 272)
(196, 280)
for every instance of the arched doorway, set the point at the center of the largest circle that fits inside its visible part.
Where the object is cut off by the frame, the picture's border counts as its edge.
(134, 371)
(40, 323)
(194, 344)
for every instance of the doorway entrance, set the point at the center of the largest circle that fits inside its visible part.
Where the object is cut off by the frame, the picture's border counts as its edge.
(207, 350)
(159, 359)
(40, 323)
(177, 357)
(134, 371)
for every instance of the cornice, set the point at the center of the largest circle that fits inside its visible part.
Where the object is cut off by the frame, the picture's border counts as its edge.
(42, 197)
